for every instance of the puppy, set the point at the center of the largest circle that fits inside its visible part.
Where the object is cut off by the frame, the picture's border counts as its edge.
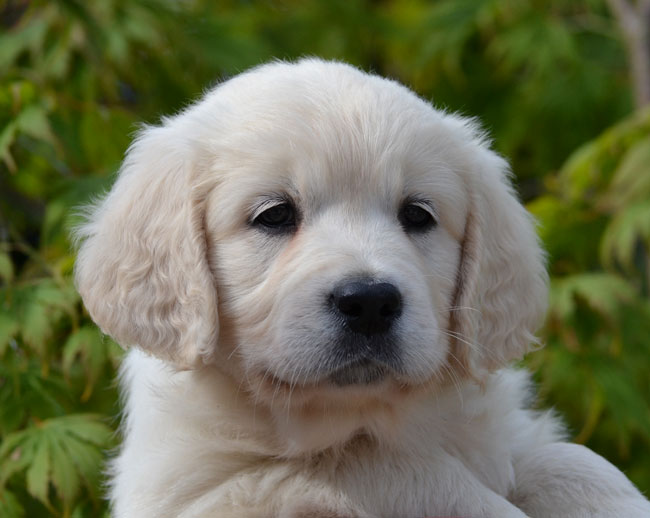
(324, 278)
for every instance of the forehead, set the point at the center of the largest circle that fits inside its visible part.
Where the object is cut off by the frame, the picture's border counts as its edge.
(340, 137)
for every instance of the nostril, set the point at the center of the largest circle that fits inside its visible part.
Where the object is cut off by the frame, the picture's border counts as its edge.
(350, 306)
(389, 309)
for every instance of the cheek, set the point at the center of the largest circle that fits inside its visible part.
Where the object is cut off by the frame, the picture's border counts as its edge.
(440, 261)
(272, 296)
(427, 270)
(242, 265)
(266, 285)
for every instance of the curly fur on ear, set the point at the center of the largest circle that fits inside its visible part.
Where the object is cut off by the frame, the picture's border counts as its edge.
(502, 273)
(142, 269)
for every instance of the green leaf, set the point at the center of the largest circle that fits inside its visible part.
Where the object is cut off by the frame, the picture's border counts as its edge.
(58, 56)
(8, 329)
(60, 452)
(62, 296)
(33, 122)
(88, 343)
(36, 326)
(40, 306)
(55, 214)
(38, 474)
(65, 474)
(14, 456)
(604, 293)
(6, 267)
(624, 231)
(627, 405)
(582, 171)
(13, 43)
(7, 137)
(631, 181)
(43, 389)
(613, 166)
(10, 506)
(10, 443)
(115, 125)
(87, 458)
(88, 427)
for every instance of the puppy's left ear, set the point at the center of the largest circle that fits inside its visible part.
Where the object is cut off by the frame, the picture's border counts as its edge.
(501, 290)
(142, 267)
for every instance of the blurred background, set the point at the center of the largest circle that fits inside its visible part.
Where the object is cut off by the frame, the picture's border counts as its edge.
(563, 86)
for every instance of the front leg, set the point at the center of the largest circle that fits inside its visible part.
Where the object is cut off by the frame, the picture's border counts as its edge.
(562, 480)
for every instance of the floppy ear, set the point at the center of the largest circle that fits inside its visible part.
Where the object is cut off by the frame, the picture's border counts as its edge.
(142, 267)
(502, 275)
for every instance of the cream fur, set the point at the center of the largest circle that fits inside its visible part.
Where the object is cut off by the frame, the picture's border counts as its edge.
(230, 412)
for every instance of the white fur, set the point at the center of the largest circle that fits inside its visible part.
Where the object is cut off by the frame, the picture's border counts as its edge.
(231, 413)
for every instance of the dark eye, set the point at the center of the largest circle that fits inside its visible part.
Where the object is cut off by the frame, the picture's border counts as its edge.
(279, 217)
(415, 218)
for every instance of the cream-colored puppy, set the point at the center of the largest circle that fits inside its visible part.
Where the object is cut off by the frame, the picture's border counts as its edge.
(327, 277)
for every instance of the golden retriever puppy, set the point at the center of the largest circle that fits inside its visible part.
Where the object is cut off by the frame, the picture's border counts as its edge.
(324, 278)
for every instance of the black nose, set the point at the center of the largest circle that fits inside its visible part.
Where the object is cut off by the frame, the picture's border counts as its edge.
(367, 307)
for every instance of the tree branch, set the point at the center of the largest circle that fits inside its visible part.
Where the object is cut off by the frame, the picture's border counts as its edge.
(634, 23)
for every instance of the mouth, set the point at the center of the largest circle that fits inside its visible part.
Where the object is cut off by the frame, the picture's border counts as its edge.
(357, 369)
(361, 372)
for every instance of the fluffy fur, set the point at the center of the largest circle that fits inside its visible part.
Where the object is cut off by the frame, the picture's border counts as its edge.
(230, 408)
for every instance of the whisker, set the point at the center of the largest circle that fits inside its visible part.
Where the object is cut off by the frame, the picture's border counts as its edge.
(292, 386)
(459, 308)
(455, 381)
(458, 336)
(235, 349)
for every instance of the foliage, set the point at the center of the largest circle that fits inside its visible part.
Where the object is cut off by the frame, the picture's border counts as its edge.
(76, 77)
(596, 225)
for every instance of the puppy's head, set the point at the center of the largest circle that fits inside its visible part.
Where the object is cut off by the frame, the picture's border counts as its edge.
(359, 241)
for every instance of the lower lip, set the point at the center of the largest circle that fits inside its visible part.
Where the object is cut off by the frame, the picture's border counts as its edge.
(364, 373)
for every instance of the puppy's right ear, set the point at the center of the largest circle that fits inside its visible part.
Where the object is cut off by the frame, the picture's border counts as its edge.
(142, 267)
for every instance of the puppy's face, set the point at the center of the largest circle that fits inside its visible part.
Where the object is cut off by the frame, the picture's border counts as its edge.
(336, 253)
(346, 238)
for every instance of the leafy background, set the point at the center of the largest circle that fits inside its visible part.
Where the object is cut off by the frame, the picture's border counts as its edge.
(554, 82)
